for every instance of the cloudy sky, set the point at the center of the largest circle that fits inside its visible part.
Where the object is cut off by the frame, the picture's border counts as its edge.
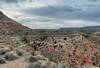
(51, 14)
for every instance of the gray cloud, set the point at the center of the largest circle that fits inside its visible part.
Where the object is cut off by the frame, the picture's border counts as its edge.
(51, 10)
(11, 1)
(65, 12)
(16, 1)
(93, 0)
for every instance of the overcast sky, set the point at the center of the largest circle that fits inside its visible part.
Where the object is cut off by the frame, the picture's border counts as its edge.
(41, 14)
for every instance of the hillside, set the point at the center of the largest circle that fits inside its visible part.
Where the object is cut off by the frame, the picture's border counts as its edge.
(9, 25)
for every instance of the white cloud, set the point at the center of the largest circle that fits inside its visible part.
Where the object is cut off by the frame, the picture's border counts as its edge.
(79, 23)
(55, 24)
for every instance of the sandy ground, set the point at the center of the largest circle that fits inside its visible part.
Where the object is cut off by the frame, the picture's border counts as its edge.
(19, 63)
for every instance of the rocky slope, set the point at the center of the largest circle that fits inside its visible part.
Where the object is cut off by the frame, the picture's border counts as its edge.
(76, 51)
(9, 25)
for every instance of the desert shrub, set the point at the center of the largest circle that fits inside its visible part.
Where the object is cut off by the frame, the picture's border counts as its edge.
(2, 60)
(35, 65)
(24, 40)
(9, 56)
(53, 55)
(19, 52)
(32, 59)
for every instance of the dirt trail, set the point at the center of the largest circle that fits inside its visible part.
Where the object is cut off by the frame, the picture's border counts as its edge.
(19, 63)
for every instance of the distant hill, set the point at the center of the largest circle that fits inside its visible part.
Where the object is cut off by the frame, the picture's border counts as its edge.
(92, 27)
(9, 25)
(87, 28)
